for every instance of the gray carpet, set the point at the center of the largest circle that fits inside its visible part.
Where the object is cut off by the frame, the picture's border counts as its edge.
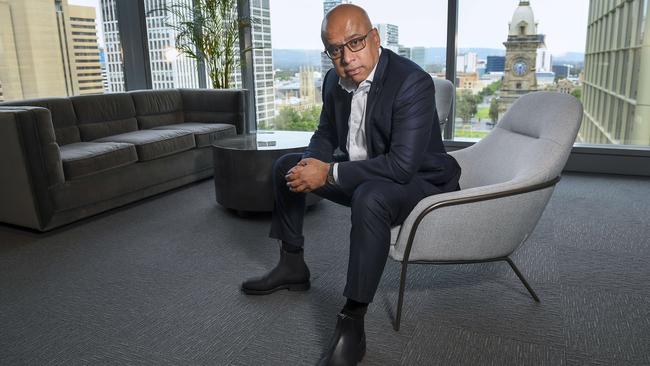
(157, 283)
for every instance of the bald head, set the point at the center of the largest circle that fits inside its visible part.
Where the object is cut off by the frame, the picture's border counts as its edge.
(344, 16)
(347, 33)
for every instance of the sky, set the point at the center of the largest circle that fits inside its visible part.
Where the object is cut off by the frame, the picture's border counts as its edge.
(482, 23)
(295, 24)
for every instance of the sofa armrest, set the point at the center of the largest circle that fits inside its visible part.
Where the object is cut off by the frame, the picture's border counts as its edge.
(30, 162)
(215, 106)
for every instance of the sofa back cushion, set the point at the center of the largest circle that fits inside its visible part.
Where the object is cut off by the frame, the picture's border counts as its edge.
(64, 119)
(154, 108)
(104, 115)
(215, 106)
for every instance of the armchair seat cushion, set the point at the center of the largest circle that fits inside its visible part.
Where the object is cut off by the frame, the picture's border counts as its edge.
(153, 144)
(204, 133)
(84, 158)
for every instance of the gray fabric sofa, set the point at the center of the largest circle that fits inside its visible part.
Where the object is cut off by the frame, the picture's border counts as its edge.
(63, 159)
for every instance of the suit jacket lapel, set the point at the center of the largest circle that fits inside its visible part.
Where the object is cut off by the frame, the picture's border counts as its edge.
(373, 96)
(342, 110)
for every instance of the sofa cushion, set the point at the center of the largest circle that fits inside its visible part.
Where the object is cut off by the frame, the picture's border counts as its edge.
(84, 158)
(155, 108)
(64, 118)
(214, 106)
(104, 115)
(204, 133)
(152, 144)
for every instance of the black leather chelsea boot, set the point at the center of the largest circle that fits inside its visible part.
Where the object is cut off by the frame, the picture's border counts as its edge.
(290, 273)
(348, 345)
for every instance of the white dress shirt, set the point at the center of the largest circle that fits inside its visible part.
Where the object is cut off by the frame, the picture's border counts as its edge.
(356, 140)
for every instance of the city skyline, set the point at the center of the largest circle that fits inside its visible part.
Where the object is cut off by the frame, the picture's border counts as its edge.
(565, 31)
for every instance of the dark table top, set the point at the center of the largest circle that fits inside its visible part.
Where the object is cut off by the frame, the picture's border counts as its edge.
(266, 140)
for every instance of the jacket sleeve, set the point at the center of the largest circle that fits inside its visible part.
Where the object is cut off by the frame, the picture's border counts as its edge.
(412, 118)
(324, 141)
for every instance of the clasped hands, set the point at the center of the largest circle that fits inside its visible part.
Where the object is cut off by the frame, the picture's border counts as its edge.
(309, 174)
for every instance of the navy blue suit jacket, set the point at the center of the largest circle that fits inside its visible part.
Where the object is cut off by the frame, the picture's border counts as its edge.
(402, 128)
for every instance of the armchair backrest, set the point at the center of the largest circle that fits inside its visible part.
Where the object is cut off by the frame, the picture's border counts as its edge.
(529, 145)
(444, 98)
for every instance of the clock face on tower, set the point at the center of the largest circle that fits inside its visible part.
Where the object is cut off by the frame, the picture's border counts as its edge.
(520, 68)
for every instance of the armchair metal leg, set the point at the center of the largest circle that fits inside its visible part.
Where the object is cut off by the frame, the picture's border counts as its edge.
(522, 279)
(400, 299)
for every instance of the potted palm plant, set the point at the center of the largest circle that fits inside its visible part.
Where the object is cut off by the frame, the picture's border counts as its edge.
(208, 31)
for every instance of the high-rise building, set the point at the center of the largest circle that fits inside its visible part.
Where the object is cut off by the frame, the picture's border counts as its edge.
(49, 48)
(616, 91)
(168, 68)
(325, 61)
(389, 36)
(31, 59)
(521, 56)
(466, 62)
(114, 71)
(85, 50)
(419, 55)
(495, 64)
(263, 61)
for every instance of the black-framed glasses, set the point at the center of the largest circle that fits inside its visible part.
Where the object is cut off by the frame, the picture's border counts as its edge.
(354, 45)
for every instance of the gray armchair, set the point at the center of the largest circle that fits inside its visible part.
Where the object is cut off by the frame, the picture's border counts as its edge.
(507, 180)
(444, 99)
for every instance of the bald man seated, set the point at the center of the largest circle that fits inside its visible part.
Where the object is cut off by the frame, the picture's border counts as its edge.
(379, 110)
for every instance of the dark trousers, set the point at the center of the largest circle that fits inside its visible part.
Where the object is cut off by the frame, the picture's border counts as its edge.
(376, 207)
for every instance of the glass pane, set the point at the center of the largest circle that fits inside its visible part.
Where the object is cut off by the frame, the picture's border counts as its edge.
(299, 63)
(170, 68)
(616, 91)
(511, 48)
(54, 48)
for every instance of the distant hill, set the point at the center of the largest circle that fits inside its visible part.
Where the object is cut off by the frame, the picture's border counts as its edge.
(569, 58)
(292, 59)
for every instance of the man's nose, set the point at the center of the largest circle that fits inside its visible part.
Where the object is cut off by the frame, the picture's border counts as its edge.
(347, 56)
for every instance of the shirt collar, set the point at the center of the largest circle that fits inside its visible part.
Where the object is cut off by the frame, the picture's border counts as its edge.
(349, 85)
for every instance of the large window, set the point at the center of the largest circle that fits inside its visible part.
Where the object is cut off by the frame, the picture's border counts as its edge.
(590, 49)
(298, 63)
(57, 48)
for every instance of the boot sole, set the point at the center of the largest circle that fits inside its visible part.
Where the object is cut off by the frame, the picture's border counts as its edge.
(290, 286)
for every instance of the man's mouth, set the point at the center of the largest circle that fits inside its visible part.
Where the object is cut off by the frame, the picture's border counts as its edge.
(353, 72)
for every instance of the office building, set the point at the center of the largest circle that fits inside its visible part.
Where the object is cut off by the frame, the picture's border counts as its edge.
(168, 68)
(495, 64)
(466, 63)
(419, 55)
(562, 71)
(616, 97)
(86, 53)
(263, 61)
(49, 48)
(325, 61)
(389, 36)
(521, 56)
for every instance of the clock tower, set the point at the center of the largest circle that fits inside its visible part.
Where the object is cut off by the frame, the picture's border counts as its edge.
(521, 53)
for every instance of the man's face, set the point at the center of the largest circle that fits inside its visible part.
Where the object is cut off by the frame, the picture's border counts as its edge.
(355, 66)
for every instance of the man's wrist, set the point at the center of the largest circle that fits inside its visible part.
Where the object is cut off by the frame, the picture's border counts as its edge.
(330, 175)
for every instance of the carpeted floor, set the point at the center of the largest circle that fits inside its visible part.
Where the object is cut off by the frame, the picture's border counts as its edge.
(157, 283)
